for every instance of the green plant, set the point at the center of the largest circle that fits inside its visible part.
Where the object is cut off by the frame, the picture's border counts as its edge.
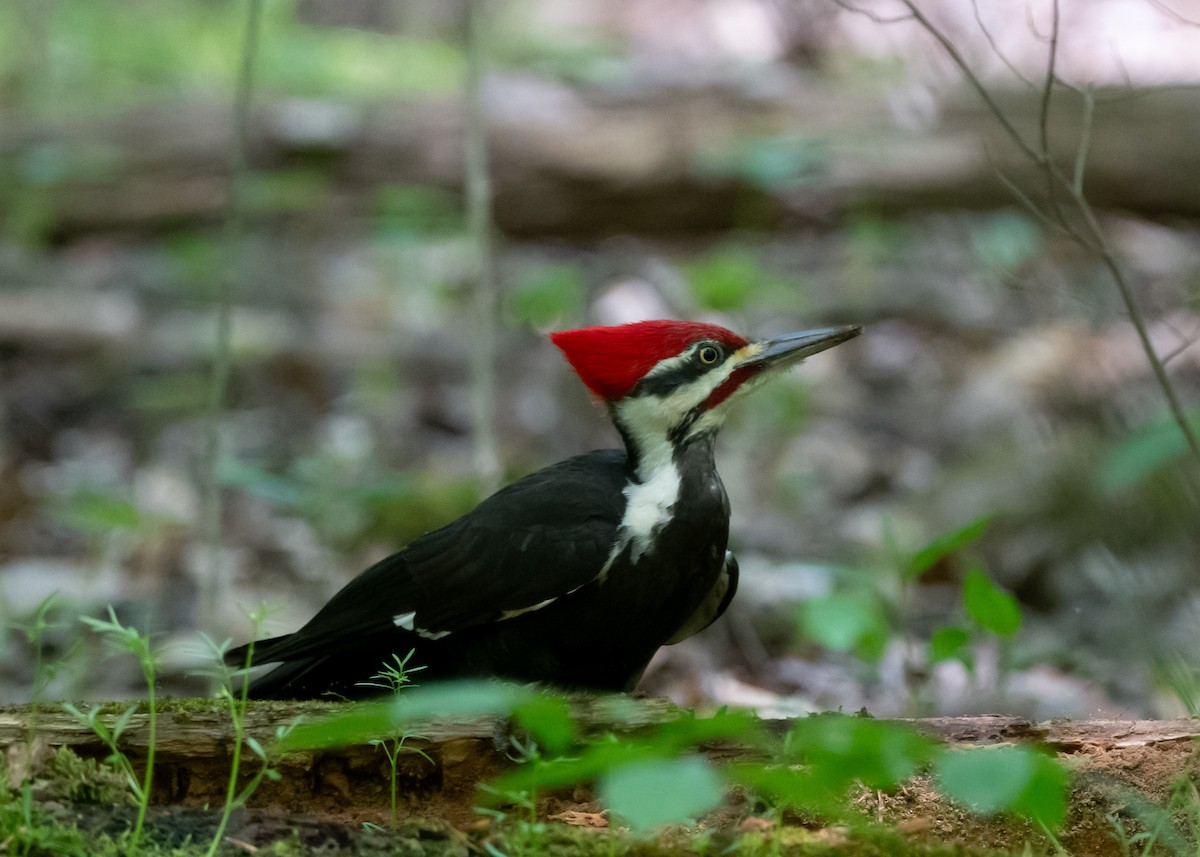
(35, 633)
(546, 295)
(234, 691)
(657, 775)
(1006, 778)
(868, 612)
(127, 640)
(391, 677)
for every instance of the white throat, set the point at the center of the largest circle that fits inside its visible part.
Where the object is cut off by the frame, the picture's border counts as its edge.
(651, 496)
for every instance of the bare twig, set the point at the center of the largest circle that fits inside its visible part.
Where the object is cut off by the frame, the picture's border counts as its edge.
(1028, 204)
(1171, 13)
(1085, 140)
(219, 382)
(972, 80)
(1091, 230)
(991, 40)
(479, 217)
(1044, 112)
(1186, 340)
(870, 15)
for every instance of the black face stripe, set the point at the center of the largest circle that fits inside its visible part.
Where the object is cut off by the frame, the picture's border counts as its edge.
(664, 383)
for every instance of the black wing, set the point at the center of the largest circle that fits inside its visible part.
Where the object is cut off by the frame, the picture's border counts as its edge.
(533, 541)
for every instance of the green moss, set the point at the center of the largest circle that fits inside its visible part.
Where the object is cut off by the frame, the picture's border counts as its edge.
(205, 706)
(84, 780)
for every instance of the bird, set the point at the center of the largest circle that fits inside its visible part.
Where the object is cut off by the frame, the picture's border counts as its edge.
(574, 575)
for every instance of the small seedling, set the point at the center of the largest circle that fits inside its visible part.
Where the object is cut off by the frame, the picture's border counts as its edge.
(234, 691)
(391, 677)
(35, 633)
(127, 640)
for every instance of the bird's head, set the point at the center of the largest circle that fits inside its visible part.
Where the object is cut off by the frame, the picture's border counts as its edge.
(676, 379)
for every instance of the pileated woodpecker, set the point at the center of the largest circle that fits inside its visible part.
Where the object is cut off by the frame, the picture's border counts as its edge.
(574, 575)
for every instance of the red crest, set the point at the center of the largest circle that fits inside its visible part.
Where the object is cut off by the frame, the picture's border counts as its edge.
(611, 360)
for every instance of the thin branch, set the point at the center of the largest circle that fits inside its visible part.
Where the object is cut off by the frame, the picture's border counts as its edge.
(1085, 140)
(1048, 83)
(991, 40)
(1023, 198)
(972, 80)
(233, 234)
(1044, 113)
(1108, 257)
(870, 15)
(1171, 13)
(1098, 241)
(1183, 346)
(479, 219)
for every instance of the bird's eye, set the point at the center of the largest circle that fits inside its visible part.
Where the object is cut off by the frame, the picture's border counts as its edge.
(708, 355)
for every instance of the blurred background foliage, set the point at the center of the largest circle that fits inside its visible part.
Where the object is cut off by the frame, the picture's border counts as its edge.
(978, 506)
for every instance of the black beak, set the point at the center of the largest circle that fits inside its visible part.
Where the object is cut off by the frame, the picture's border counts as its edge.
(794, 347)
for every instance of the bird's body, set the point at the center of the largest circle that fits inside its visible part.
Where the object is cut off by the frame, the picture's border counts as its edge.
(578, 573)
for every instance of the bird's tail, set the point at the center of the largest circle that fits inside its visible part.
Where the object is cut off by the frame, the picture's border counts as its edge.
(322, 676)
(253, 654)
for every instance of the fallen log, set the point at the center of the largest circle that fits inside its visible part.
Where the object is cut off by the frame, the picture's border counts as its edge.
(445, 761)
(589, 162)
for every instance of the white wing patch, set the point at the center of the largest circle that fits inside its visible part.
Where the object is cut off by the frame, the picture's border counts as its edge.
(407, 622)
(512, 614)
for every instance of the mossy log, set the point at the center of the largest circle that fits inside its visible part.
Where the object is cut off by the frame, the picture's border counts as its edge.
(195, 741)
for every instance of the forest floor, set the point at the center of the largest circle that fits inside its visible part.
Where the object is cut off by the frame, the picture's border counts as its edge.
(1132, 792)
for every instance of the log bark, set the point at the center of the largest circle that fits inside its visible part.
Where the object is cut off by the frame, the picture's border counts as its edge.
(591, 162)
(446, 760)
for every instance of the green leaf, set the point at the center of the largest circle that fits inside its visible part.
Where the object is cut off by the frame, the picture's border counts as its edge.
(471, 698)
(828, 754)
(987, 779)
(949, 643)
(548, 718)
(725, 279)
(94, 511)
(358, 724)
(788, 785)
(281, 491)
(841, 749)
(1144, 453)
(362, 722)
(553, 293)
(945, 545)
(841, 621)
(660, 791)
(1005, 779)
(668, 739)
(1006, 241)
(990, 606)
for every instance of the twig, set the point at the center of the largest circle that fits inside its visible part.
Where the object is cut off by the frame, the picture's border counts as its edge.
(973, 80)
(1171, 13)
(1186, 340)
(1085, 139)
(1044, 112)
(991, 40)
(479, 219)
(870, 15)
(219, 382)
(1093, 231)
